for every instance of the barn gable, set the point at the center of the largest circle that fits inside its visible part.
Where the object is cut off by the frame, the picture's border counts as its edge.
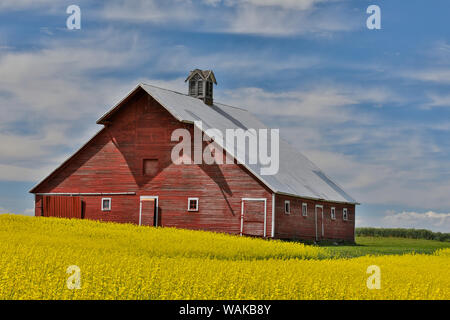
(112, 166)
(297, 175)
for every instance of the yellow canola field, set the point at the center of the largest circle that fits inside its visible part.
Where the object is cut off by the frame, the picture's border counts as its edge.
(129, 262)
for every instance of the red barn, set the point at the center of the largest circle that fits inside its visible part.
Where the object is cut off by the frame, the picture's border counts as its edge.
(125, 173)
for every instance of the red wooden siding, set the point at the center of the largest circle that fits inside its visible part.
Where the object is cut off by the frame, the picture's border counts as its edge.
(148, 212)
(63, 207)
(295, 225)
(253, 218)
(114, 161)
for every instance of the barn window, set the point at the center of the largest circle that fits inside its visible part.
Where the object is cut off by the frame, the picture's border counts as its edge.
(287, 207)
(200, 88)
(192, 204)
(192, 88)
(106, 204)
(150, 167)
(333, 213)
(304, 209)
(345, 214)
(209, 89)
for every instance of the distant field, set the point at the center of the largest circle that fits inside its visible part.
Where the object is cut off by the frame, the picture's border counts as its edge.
(118, 261)
(386, 246)
(403, 233)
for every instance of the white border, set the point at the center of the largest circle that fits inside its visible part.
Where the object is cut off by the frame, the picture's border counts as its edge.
(305, 204)
(343, 216)
(315, 211)
(288, 202)
(109, 208)
(273, 215)
(265, 212)
(198, 204)
(140, 207)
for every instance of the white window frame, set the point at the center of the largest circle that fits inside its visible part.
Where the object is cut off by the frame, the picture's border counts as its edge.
(305, 205)
(333, 213)
(189, 202)
(109, 208)
(288, 202)
(345, 214)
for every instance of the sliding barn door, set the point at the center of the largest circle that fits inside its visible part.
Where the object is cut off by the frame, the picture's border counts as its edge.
(253, 217)
(148, 215)
(62, 206)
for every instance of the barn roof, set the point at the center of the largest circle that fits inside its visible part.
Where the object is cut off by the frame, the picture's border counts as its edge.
(205, 74)
(297, 175)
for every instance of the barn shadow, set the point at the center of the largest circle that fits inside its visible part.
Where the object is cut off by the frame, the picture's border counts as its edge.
(216, 175)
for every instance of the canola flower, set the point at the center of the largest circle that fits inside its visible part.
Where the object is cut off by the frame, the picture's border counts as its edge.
(128, 262)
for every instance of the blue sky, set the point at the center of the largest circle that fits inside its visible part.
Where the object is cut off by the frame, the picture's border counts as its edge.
(370, 107)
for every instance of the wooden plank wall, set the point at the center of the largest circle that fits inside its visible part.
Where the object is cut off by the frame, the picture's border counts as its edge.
(63, 207)
(113, 162)
(295, 225)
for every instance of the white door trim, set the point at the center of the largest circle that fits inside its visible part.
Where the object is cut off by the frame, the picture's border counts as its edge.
(265, 212)
(273, 215)
(315, 214)
(140, 207)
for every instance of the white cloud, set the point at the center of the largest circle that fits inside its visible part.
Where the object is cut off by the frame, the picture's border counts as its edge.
(441, 75)
(18, 173)
(26, 4)
(49, 100)
(151, 11)
(374, 161)
(28, 212)
(286, 4)
(437, 100)
(327, 103)
(426, 220)
(262, 17)
(285, 21)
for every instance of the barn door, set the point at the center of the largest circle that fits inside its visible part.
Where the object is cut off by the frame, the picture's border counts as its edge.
(253, 217)
(319, 223)
(62, 206)
(148, 211)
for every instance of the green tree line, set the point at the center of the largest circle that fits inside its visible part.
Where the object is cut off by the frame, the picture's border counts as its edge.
(403, 233)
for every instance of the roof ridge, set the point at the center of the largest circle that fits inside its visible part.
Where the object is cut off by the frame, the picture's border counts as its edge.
(184, 94)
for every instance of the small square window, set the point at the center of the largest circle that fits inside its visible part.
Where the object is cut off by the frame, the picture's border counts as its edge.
(106, 204)
(345, 214)
(287, 207)
(304, 209)
(150, 167)
(192, 204)
(333, 213)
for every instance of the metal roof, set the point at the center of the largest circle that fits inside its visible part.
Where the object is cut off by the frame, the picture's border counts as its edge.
(205, 74)
(297, 175)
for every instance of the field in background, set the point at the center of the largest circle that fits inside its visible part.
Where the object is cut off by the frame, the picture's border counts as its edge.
(128, 262)
(386, 246)
(403, 233)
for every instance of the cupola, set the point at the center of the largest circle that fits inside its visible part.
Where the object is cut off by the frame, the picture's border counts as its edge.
(201, 85)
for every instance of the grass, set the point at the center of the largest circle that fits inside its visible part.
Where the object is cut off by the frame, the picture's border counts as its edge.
(385, 246)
